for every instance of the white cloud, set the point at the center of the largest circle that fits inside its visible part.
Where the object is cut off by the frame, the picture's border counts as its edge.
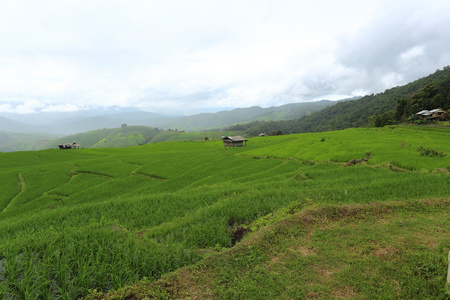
(28, 107)
(171, 54)
(412, 54)
(6, 107)
(61, 107)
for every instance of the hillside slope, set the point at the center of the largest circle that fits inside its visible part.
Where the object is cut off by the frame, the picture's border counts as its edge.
(243, 115)
(323, 252)
(11, 141)
(357, 113)
(13, 126)
(86, 221)
(352, 113)
(130, 136)
(108, 137)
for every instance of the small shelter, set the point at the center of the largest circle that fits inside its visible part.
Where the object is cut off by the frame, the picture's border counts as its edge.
(438, 114)
(423, 114)
(234, 141)
(66, 146)
(262, 134)
(435, 114)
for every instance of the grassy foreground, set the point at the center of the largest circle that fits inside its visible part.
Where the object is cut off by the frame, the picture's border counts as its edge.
(374, 251)
(74, 223)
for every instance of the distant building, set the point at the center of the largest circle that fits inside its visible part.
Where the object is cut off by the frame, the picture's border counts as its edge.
(66, 146)
(438, 114)
(435, 114)
(423, 114)
(234, 141)
(262, 134)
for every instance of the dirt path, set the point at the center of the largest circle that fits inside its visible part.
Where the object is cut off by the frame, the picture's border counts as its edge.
(21, 182)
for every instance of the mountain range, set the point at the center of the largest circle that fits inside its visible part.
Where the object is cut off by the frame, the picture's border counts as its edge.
(63, 123)
(35, 131)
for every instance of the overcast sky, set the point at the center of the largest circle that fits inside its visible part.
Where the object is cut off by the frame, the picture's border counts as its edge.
(186, 56)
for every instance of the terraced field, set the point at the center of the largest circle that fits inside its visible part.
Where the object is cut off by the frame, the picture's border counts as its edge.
(82, 221)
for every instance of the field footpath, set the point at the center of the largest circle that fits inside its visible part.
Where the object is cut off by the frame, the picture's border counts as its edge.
(135, 173)
(21, 182)
(74, 173)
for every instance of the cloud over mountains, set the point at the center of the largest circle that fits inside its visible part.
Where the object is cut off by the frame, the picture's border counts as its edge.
(184, 56)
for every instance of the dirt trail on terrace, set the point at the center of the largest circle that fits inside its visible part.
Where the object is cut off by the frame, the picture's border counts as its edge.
(21, 182)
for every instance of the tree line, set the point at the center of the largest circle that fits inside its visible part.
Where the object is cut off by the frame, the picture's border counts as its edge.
(431, 96)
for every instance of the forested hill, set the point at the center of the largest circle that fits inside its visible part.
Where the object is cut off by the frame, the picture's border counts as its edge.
(220, 119)
(352, 113)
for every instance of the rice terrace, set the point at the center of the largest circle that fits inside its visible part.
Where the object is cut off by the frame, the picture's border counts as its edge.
(361, 213)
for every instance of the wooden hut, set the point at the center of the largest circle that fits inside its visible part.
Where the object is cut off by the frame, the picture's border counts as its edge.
(438, 114)
(435, 114)
(234, 141)
(423, 114)
(66, 146)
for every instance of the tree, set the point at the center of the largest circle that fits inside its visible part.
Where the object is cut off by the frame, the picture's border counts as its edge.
(400, 108)
(385, 119)
(278, 132)
(422, 99)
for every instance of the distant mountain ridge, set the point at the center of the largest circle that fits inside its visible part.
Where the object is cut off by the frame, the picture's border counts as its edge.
(76, 122)
(13, 126)
(242, 115)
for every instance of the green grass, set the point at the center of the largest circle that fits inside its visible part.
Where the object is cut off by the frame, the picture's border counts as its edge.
(108, 137)
(385, 250)
(100, 219)
(128, 137)
(334, 252)
(389, 144)
(13, 141)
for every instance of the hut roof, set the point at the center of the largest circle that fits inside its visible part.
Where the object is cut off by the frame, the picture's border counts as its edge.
(69, 144)
(424, 113)
(437, 110)
(234, 138)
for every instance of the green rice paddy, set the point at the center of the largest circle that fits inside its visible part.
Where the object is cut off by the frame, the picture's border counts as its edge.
(75, 221)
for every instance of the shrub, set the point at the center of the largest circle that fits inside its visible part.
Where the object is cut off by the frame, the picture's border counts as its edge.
(278, 132)
(402, 144)
(430, 152)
